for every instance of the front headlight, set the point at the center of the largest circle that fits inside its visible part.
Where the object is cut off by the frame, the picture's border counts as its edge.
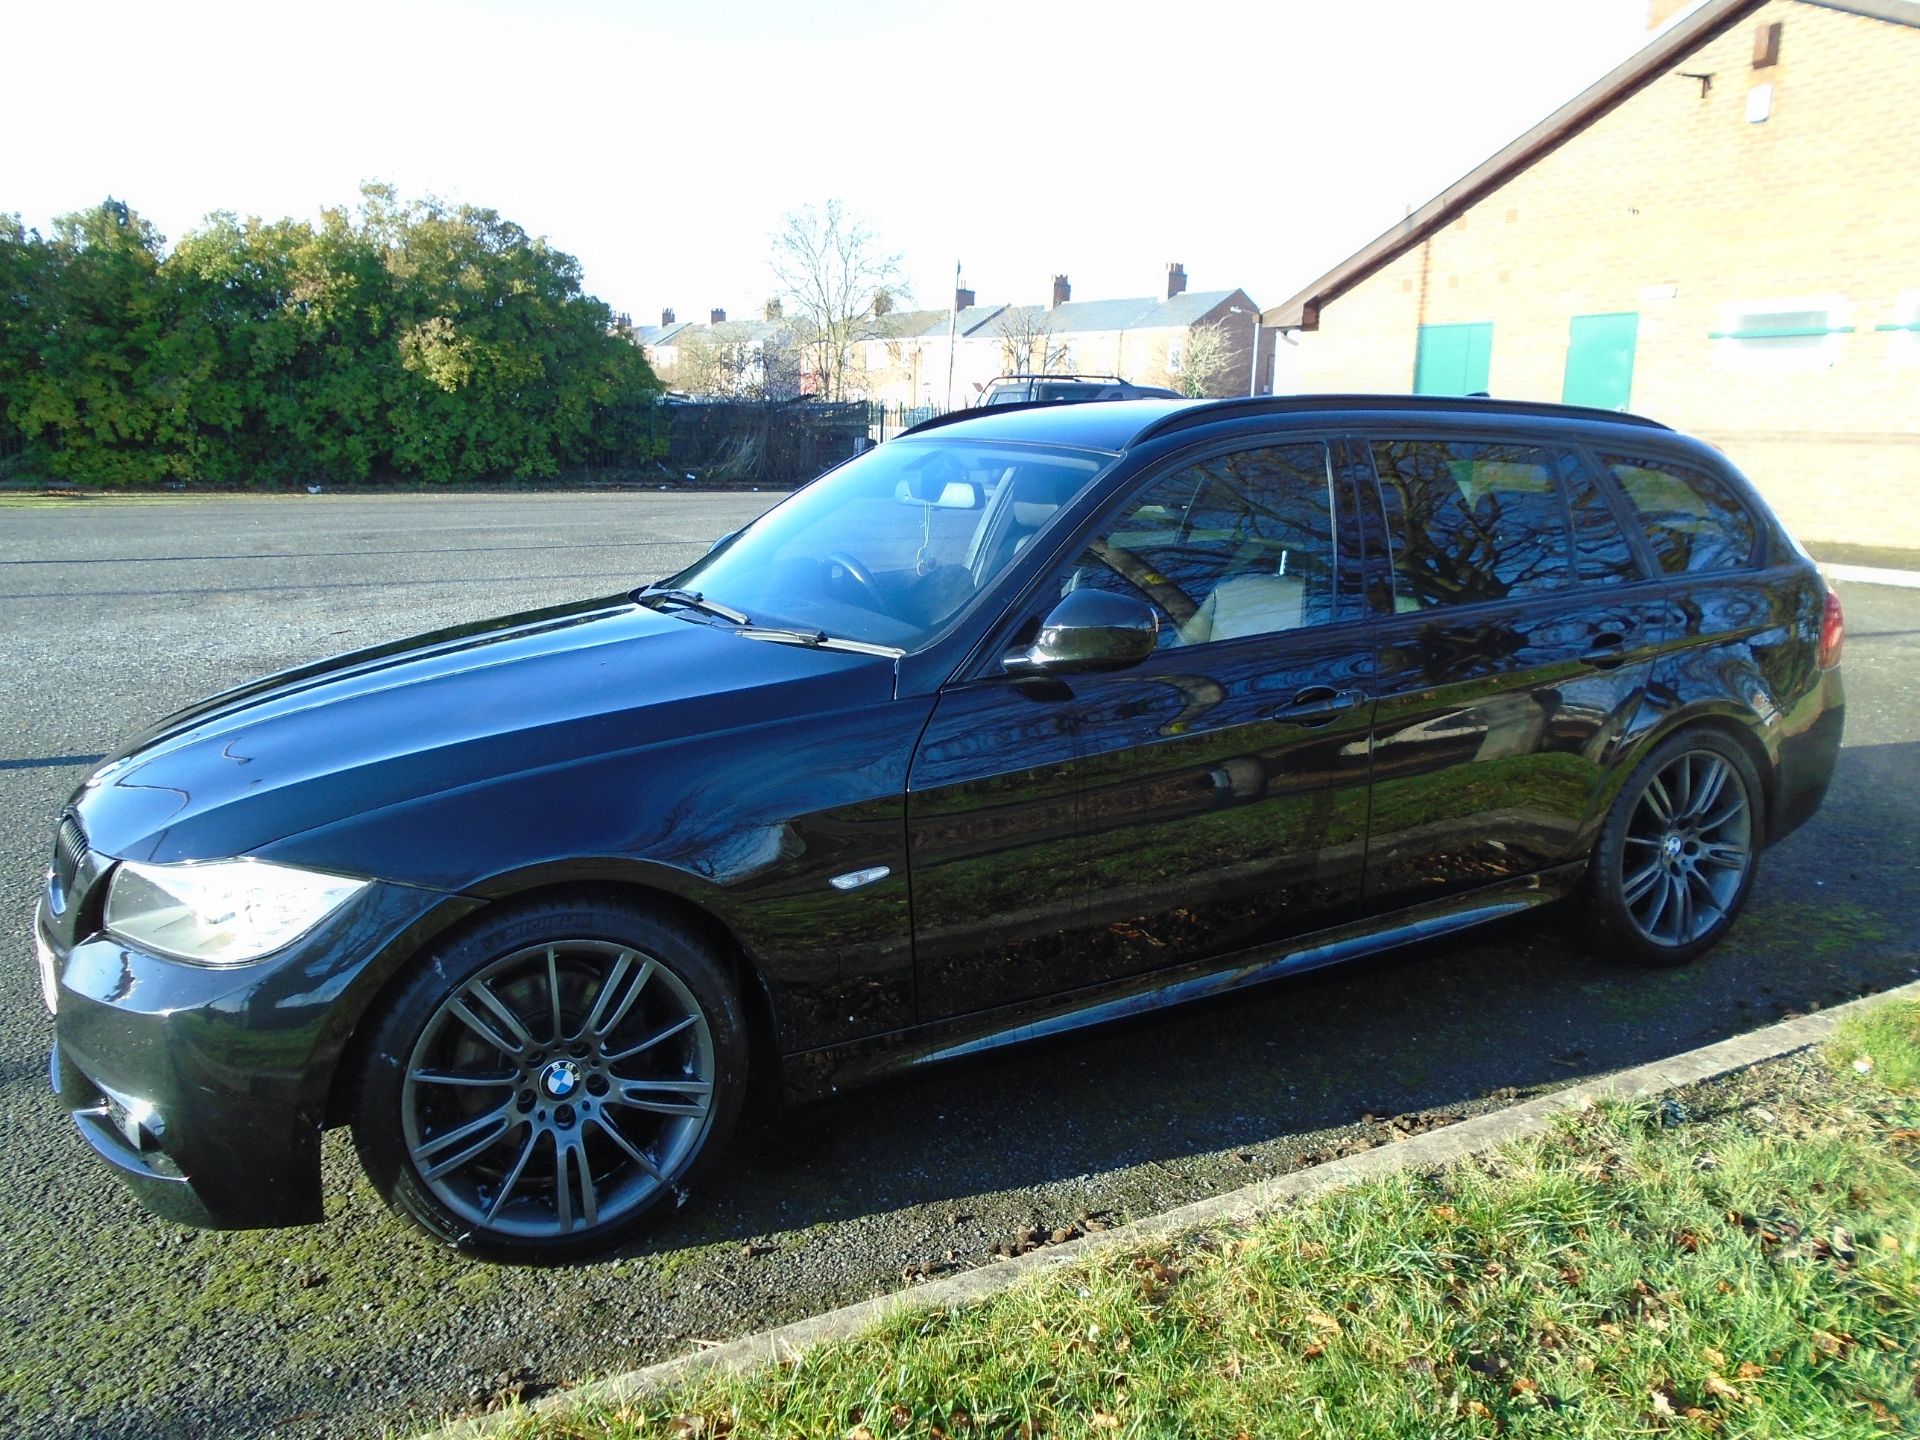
(222, 912)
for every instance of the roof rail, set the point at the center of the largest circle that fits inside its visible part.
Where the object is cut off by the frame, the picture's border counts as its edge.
(977, 412)
(1033, 375)
(1251, 405)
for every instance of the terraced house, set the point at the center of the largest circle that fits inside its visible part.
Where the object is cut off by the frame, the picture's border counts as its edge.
(1718, 233)
(1151, 340)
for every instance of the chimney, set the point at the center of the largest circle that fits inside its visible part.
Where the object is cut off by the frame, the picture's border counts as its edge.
(962, 298)
(716, 317)
(1176, 279)
(666, 318)
(1062, 291)
(1659, 12)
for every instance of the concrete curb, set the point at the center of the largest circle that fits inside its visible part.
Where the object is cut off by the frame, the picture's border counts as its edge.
(1424, 1152)
(1873, 575)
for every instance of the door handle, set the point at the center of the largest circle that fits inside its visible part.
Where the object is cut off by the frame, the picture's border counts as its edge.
(1317, 705)
(1607, 650)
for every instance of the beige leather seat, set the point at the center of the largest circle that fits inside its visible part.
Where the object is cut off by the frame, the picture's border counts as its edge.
(1247, 605)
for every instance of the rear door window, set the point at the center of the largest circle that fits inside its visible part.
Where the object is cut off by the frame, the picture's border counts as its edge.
(1692, 520)
(1473, 521)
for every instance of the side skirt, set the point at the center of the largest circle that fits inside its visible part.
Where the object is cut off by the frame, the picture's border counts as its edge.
(818, 1073)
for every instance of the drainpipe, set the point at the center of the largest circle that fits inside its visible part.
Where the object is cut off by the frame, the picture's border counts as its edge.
(953, 322)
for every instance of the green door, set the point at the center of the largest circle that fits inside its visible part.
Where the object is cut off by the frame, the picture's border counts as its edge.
(1453, 359)
(1600, 360)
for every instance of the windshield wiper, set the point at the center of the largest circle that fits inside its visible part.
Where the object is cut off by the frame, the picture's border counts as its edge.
(692, 600)
(818, 640)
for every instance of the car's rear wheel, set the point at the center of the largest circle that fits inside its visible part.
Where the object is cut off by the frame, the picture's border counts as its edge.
(552, 1079)
(1676, 857)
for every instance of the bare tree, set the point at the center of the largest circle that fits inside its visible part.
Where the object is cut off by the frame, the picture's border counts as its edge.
(1196, 359)
(739, 362)
(830, 267)
(1028, 345)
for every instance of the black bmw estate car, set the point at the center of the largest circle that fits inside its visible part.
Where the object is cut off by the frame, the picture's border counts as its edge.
(1029, 718)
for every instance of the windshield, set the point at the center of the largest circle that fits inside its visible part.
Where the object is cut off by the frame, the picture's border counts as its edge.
(891, 546)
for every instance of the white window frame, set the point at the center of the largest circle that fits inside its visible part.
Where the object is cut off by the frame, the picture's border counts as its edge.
(1905, 348)
(1175, 354)
(1751, 356)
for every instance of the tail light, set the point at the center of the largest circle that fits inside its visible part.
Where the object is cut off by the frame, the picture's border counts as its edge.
(1833, 631)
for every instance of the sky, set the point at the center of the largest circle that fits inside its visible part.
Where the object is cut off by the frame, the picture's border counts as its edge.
(1256, 143)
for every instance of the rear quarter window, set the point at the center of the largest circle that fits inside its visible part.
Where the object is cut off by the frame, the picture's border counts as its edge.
(1692, 520)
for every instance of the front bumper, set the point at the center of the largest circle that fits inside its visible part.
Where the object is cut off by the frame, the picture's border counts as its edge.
(205, 1090)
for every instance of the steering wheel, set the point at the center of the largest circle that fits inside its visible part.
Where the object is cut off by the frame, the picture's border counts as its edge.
(860, 576)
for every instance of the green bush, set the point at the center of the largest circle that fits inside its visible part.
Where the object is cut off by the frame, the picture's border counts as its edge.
(394, 340)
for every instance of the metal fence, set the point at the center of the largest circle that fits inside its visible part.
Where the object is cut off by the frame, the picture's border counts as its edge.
(887, 419)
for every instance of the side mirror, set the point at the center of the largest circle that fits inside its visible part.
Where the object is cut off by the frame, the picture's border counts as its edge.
(1088, 632)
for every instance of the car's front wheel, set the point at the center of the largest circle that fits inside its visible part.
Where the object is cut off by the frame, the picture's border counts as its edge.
(1676, 856)
(551, 1079)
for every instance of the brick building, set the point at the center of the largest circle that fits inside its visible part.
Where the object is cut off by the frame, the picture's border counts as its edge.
(1723, 233)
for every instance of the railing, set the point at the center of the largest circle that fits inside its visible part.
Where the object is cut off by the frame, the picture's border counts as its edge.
(886, 419)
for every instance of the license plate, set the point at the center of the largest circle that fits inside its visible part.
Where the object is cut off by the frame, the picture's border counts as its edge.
(49, 991)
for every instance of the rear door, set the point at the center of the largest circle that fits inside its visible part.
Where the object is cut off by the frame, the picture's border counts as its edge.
(1517, 635)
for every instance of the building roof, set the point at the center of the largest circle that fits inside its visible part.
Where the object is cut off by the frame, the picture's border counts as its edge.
(1143, 313)
(905, 324)
(1656, 58)
(727, 332)
(1190, 308)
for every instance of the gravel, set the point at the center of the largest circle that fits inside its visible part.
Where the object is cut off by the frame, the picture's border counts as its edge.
(115, 1324)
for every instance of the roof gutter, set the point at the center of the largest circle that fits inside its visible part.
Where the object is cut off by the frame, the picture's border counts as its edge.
(1639, 70)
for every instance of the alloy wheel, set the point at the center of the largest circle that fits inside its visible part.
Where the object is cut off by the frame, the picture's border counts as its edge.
(559, 1089)
(1687, 850)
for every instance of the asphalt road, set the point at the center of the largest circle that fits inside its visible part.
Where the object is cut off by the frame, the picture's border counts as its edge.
(113, 1324)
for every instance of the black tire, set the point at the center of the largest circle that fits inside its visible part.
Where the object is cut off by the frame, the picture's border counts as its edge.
(552, 1078)
(1661, 891)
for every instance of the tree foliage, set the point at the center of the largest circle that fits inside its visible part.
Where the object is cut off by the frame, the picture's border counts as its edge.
(393, 339)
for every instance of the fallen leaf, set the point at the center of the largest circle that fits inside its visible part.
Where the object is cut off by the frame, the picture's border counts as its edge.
(1830, 1345)
(1445, 1212)
(1522, 1386)
(1314, 1351)
(859, 1432)
(1323, 1322)
(1722, 1390)
(1478, 1411)
(1105, 1420)
(1714, 1358)
(1750, 1371)
(1662, 1403)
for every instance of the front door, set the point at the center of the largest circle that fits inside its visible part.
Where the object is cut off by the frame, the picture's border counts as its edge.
(1600, 360)
(1453, 359)
(1217, 792)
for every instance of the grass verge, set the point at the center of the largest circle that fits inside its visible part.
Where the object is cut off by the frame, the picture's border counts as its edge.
(1742, 1258)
